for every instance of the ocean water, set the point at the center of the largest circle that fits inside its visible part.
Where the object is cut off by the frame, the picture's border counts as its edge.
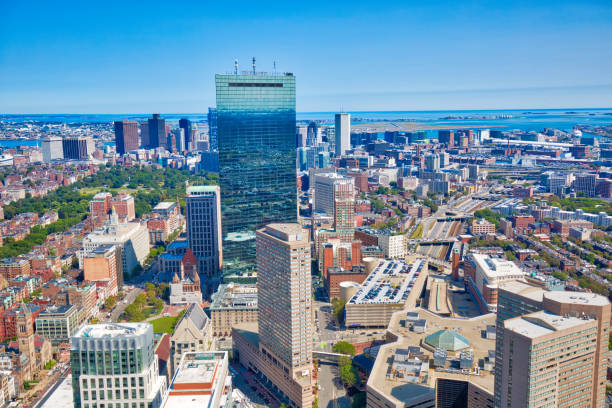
(520, 119)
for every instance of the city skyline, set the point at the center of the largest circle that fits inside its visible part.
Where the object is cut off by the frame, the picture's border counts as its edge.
(440, 56)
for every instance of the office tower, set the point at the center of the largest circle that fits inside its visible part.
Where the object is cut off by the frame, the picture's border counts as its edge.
(548, 361)
(213, 130)
(312, 134)
(176, 140)
(256, 125)
(126, 136)
(103, 266)
(131, 238)
(301, 134)
(517, 299)
(180, 138)
(185, 124)
(432, 162)
(447, 137)
(335, 195)
(113, 364)
(444, 159)
(584, 183)
(157, 131)
(58, 323)
(78, 148)
(323, 160)
(52, 149)
(144, 134)
(203, 212)
(473, 169)
(343, 133)
(284, 293)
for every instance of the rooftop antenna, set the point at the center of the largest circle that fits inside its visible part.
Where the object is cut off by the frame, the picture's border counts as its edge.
(235, 67)
(275, 67)
(253, 65)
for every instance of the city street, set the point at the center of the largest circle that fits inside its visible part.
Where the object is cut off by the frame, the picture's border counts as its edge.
(331, 394)
(122, 304)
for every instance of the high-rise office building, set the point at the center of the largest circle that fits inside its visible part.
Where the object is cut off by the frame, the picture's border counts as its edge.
(432, 161)
(213, 130)
(185, 124)
(113, 364)
(78, 148)
(548, 361)
(126, 136)
(144, 134)
(447, 137)
(516, 299)
(313, 134)
(52, 149)
(176, 140)
(343, 133)
(203, 210)
(335, 195)
(284, 293)
(584, 183)
(157, 131)
(257, 156)
(283, 351)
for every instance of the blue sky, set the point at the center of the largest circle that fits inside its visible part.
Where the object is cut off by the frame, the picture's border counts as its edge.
(139, 57)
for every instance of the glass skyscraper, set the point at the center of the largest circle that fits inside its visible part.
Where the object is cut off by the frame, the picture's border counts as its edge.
(256, 137)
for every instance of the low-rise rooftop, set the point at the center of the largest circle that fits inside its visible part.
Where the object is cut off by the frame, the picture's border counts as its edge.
(390, 282)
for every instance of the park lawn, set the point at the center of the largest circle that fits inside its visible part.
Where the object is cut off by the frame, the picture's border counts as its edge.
(164, 324)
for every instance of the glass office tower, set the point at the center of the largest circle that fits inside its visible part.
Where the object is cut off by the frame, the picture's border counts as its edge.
(256, 137)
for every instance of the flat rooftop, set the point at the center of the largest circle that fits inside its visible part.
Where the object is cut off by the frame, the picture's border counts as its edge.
(200, 190)
(290, 232)
(105, 330)
(541, 323)
(199, 369)
(577, 298)
(390, 282)
(164, 205)
(496, 267)
(62, 396)
(472, 329)
(524, 289)
(235, 296)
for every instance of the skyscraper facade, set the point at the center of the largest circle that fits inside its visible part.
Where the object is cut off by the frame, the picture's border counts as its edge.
(157, 131)
(256, 130)
(284, 293)
(144, 134)
(126, 135)
(548, 347)
(213, 130)
(335, 195)
(343, 133)
(78, 148)
(185, 124)
(114, 364)
(447, 137)
(203, 210)
(52, 149)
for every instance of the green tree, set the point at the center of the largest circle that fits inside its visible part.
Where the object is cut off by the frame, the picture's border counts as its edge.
(110, 302)
(344, 347)
(348, 373)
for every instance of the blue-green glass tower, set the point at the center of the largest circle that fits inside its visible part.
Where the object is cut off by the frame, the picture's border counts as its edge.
(256, 131)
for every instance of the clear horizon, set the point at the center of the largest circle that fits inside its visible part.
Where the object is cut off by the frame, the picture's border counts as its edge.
(397, 56)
